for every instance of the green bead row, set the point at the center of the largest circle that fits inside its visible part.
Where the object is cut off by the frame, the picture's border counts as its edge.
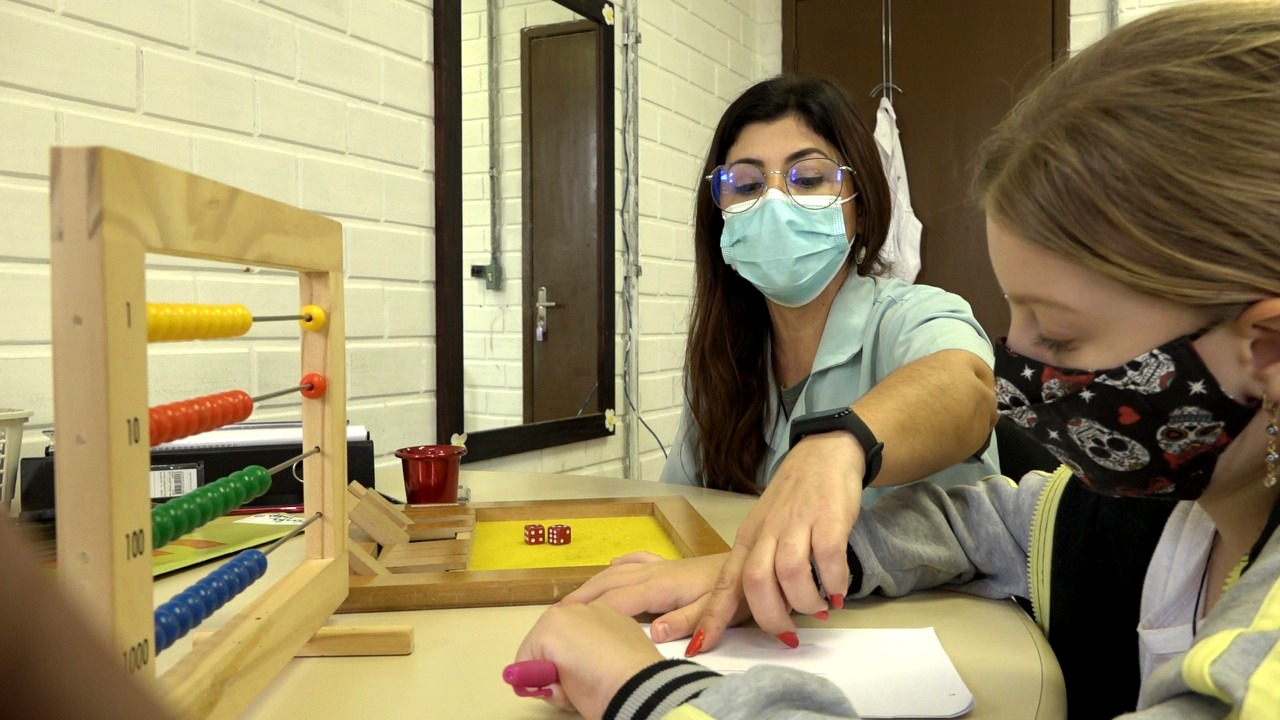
(183, 514)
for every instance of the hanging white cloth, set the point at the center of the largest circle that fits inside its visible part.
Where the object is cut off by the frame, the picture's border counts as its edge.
(901, 250)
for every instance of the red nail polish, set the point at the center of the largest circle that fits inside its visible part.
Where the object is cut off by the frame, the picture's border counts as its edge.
(822, 615)
(837, 601)
(789, 639)
(695, 643)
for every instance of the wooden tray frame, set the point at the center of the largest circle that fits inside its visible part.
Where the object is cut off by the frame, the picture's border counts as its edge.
(109, 209)
(689, 531)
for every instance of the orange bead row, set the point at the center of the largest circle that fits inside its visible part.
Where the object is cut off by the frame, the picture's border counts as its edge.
(191, 417)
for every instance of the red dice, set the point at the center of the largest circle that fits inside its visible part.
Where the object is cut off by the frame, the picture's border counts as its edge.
(534, 534)
(559, 535)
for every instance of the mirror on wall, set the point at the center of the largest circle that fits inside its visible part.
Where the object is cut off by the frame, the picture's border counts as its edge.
(525, 222)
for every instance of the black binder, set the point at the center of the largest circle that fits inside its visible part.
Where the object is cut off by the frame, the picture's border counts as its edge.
(37, 480)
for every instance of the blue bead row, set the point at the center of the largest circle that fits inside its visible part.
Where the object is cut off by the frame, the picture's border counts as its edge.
(190, 607)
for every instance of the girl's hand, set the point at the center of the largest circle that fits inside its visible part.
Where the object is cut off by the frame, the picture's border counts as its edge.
(642, 582)
(595, 648)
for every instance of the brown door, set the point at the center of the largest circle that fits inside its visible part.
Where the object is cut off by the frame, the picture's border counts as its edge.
(561, 280)
(961, 66)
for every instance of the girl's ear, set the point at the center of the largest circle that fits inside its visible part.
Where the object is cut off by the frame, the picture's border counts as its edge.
(1260, 324)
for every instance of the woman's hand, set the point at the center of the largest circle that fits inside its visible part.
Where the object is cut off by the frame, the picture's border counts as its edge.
(642, 582)
(807, 511)
(595, 648)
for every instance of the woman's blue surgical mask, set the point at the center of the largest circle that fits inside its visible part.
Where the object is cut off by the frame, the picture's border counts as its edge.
(789, 253)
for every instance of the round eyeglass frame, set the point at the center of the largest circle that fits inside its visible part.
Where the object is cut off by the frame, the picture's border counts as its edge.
(786, 185)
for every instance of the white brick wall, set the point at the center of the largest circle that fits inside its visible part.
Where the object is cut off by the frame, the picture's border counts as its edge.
(327, 104)
(321, 103)
(693, 61)
(1091, 19)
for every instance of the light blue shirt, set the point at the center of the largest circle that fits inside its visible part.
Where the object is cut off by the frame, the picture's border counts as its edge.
(875, 326)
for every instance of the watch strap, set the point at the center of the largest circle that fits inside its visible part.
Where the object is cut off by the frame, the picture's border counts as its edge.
(843, 419)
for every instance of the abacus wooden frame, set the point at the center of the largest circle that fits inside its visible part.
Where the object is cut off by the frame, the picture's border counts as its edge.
(109, 209)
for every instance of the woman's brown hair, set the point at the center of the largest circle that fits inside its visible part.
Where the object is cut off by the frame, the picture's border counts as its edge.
(727, 366)
(1153, 157)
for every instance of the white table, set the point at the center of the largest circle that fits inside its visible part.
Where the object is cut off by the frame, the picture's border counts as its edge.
(455, 670)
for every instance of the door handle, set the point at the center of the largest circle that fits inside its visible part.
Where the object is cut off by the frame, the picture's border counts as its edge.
(540, 329)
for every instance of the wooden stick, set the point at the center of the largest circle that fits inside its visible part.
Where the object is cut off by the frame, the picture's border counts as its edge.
(347, 641)
(362, 562)
(368, 518)
(386, 508)
(425, 549)
(439, 563)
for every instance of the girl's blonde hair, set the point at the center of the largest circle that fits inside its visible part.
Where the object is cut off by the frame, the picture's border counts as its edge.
(1153, 156)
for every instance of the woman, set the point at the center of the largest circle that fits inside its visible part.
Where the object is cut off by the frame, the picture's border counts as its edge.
(1133, 205)
(807, 375)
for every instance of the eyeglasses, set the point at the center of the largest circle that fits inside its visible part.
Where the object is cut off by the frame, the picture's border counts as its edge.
(812, 183)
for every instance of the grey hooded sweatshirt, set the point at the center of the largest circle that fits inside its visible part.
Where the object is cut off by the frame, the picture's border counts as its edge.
(995, 540)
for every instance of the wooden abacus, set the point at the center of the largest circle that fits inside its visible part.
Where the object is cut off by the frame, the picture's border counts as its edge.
(109, 210)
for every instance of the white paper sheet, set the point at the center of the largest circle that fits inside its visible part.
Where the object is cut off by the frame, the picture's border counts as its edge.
(886, 673)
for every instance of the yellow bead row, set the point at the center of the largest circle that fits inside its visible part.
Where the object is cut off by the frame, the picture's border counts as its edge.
(169, 322)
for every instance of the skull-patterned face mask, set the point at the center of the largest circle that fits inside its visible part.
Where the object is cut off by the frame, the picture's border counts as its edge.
(1151, 427)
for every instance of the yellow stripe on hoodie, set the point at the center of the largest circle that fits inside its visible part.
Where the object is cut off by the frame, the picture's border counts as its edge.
(1040, 552)
(1262, 694)
(686, 712)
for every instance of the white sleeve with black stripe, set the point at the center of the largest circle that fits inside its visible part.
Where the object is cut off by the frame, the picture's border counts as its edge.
(683, 690)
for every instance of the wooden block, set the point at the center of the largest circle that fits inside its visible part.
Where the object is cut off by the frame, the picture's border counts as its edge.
(347, 641)
(439, 563)
(362, 562)
(424, 549)
(439, 529)
(468, 517)
(418, 534)
(464, 519)
(392, 512)
(360, 536)
(437, 511)
(373, 521)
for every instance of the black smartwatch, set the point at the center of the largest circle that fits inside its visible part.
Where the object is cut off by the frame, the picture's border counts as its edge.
(842, 419)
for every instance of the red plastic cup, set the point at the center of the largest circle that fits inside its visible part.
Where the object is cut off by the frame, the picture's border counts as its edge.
(431, 473)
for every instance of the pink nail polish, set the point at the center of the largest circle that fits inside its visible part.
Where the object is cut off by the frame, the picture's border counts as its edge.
(789, 639)
(837, 601)
(695, 643)
(822, 615)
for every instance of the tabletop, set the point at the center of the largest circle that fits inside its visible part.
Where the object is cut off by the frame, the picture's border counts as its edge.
(455, 670)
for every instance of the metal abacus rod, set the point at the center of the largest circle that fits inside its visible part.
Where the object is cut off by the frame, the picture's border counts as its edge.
(192, 606)
(195, 509)
(313, 386)
(307, 317)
